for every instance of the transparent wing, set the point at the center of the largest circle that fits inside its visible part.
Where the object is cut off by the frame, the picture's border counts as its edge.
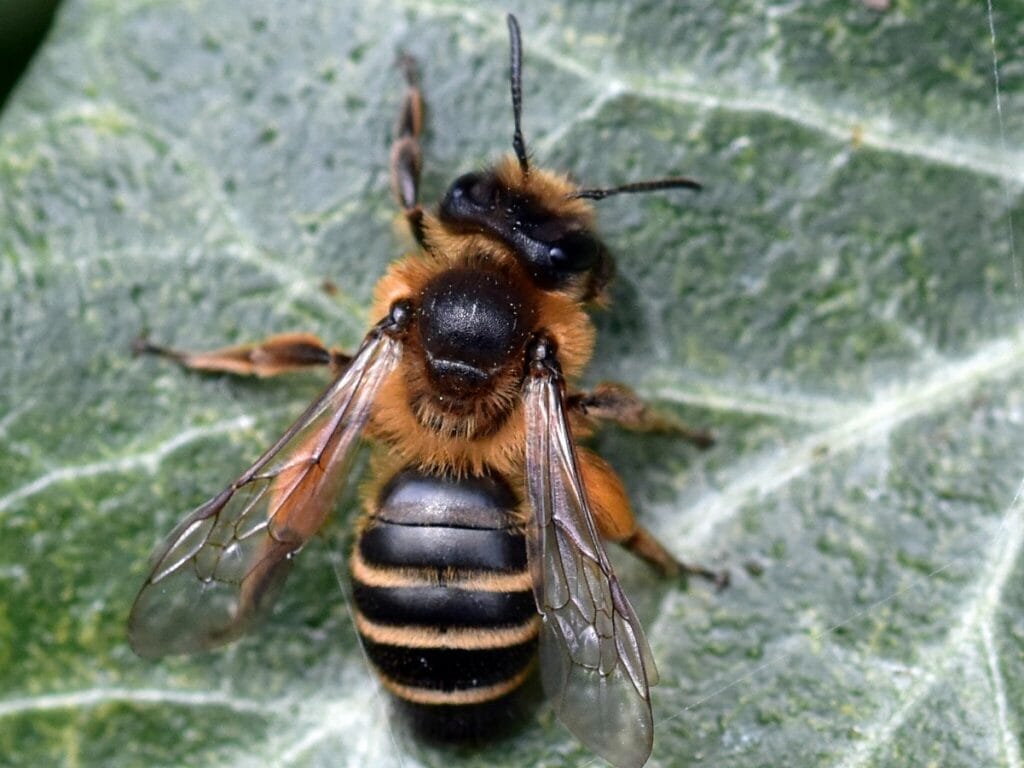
(596, 666)
(223, 566)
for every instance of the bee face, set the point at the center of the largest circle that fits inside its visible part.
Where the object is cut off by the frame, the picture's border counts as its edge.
(537, 216)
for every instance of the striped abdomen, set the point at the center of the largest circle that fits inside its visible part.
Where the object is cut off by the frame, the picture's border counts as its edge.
(443, 599)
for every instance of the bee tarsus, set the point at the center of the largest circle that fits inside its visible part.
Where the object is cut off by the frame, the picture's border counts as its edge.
(406, 154)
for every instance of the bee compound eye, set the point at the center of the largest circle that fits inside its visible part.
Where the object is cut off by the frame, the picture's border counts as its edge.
(470, 196)
(573, 252)
(558, 257)
(483, 192)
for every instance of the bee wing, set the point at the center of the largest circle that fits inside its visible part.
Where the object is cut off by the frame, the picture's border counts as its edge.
(596, 666)
(222, 567)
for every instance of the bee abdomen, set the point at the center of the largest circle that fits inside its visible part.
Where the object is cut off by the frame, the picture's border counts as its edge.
(443, 598)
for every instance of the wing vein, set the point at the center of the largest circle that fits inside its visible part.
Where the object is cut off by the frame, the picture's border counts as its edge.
(221, 568)
(596, 666)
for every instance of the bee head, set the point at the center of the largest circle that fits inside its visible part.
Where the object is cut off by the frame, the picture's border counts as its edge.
(542, 216)
(533, 213)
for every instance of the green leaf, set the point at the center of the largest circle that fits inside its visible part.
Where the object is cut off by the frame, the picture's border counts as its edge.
(842, 305)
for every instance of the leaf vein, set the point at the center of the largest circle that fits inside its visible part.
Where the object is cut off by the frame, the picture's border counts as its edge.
(95, 697)
(148, 460)
(1011, 748)
(877, 418)
(974, 618)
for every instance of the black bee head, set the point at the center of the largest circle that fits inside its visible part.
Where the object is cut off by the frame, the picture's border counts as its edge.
(549, 234)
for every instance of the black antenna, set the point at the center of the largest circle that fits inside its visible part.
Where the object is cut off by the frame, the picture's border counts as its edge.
(675, 182)
(516, 78)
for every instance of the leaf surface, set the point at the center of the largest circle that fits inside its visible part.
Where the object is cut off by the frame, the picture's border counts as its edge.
(842, 305)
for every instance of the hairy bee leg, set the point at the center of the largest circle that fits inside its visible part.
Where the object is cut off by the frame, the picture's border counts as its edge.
(619, 403)
(276, 354)
(643, 544)
(615, 521)
(406, 155)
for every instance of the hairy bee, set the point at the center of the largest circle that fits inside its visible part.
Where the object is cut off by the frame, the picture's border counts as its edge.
(482, 539)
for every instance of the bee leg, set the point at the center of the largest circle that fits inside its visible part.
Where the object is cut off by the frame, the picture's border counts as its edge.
(619, 403)
(281, 353)
(406, 156)
(643, 544)
(615, 521)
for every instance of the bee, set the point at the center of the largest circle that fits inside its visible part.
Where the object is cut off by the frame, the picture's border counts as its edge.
(482, 539)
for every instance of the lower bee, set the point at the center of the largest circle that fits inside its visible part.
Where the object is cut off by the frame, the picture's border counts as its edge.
(481, 547)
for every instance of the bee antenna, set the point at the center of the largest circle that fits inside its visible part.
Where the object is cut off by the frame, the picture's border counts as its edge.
(516, 79)
(675, 182)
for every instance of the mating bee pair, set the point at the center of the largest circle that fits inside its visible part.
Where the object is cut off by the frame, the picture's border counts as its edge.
(483, 539)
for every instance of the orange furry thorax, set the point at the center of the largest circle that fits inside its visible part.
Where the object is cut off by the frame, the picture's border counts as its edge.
(468, 435)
